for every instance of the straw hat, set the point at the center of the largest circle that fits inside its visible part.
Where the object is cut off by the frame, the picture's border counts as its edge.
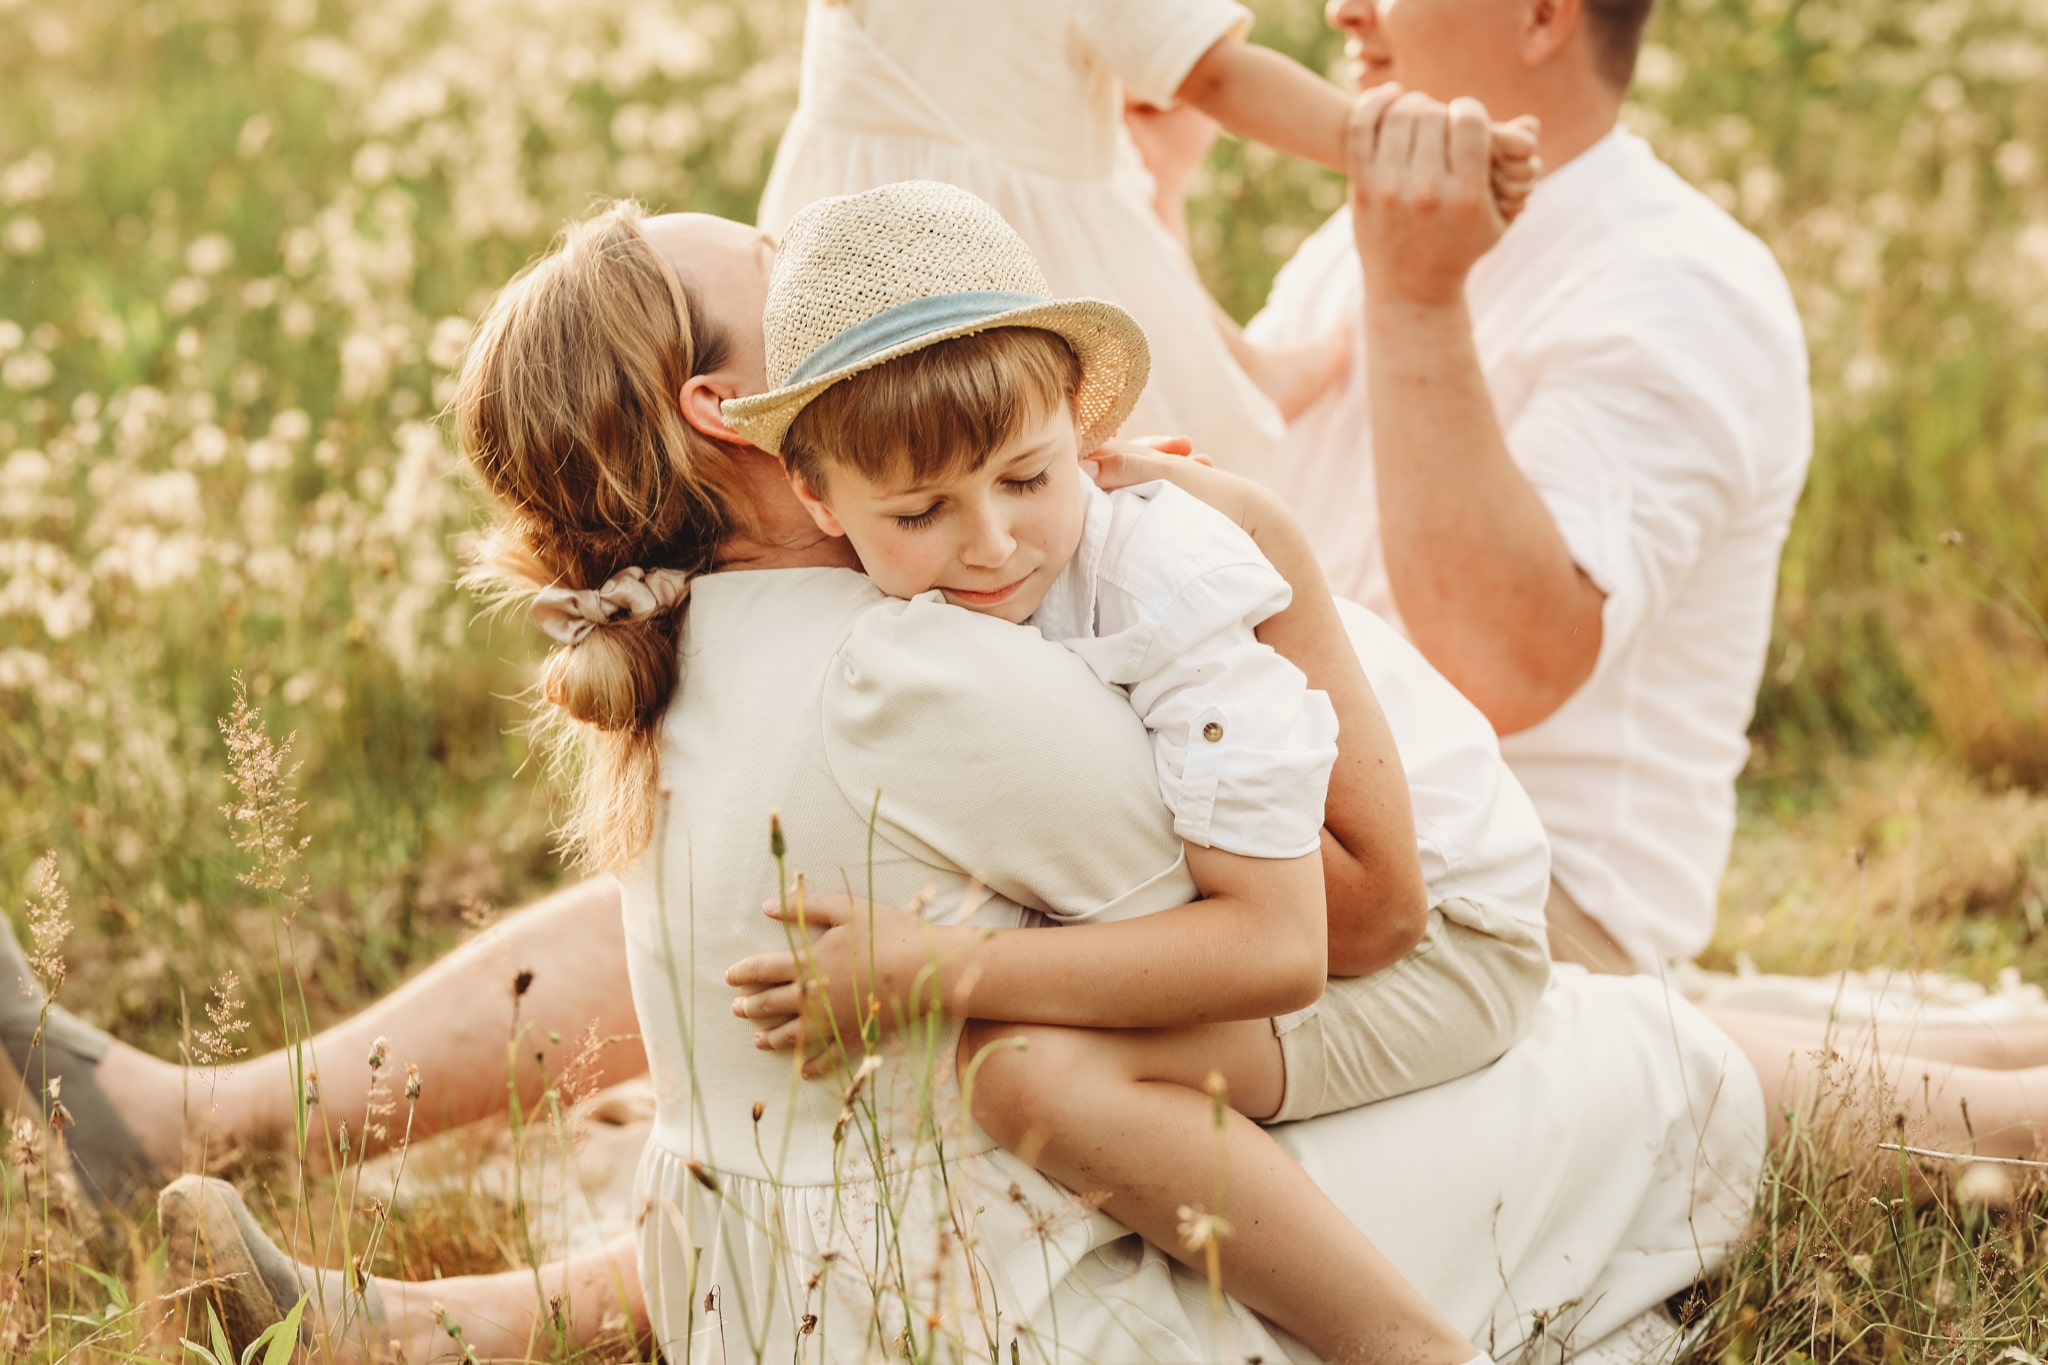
(864, 278)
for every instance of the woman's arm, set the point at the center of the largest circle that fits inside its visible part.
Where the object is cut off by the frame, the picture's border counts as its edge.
(1377, 902)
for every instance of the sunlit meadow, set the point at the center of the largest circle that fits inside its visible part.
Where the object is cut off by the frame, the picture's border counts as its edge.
(240, 248)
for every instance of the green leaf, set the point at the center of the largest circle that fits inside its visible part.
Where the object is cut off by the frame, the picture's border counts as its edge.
(279, 1339)
(196, 1349)
(222, 1352)
(117, 1293)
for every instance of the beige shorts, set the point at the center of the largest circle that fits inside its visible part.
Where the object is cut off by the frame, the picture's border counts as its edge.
(1455, 1003)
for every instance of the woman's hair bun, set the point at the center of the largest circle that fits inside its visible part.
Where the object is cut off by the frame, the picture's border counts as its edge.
(618, 678)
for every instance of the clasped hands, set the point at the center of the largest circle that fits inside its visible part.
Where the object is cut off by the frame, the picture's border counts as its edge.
(1433, 187)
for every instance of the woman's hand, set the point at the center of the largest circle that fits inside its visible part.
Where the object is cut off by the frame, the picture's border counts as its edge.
(870, 964)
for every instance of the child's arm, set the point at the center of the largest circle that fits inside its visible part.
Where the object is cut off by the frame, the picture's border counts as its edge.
(1272, 99)
(1259, 94)
(1377, 901)
(1251, 948)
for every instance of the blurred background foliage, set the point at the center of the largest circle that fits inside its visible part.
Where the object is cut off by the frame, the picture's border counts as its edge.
(241, 243)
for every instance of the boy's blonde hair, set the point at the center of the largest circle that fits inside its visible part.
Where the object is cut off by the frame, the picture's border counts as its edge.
(568, 409)
(935, 412)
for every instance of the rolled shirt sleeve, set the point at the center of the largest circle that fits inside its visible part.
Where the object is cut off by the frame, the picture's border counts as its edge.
(1151, 45)
(1637, 445)
(1242, 744)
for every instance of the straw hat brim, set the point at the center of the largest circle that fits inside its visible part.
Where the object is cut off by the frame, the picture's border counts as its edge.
(1115, 362)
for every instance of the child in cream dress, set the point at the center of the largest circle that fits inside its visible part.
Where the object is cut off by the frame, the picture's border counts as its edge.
(1022, 105)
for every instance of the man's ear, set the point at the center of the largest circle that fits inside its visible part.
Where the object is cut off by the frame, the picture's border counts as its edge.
(815, 505)
(701, 401)
(1548, 27)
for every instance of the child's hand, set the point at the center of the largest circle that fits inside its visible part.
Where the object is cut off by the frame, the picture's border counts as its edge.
(1296, 376)
(1171, 142)
(819, 998)
(1516, 165)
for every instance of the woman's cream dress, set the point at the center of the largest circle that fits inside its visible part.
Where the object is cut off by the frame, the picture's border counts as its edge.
(1022, 105)
(918, 750)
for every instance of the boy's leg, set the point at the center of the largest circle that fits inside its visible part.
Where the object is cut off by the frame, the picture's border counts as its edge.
(455, 1020)
(1124, 1113)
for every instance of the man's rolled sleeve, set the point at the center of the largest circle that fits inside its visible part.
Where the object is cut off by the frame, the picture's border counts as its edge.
(1637, 450)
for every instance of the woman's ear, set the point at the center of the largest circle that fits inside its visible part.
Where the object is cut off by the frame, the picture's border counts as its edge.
(815, 505)
(702, 401)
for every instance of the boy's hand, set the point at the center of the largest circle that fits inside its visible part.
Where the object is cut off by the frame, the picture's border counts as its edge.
(871, 962)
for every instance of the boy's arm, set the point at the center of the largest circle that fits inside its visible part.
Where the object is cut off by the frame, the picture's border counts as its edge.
(1373, 884)
(1252, 948)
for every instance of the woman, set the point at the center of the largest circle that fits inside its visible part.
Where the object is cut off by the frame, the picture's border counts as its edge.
(772, 1208)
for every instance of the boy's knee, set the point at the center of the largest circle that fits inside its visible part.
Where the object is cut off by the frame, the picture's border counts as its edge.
(1009, 1064)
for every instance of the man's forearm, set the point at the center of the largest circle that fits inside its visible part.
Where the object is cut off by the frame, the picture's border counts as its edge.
(1486, 585)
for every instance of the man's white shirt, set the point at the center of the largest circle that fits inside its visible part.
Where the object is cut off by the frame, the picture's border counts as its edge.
(1649, 372)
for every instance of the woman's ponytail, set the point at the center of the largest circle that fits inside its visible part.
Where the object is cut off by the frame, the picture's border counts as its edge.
(606, 502)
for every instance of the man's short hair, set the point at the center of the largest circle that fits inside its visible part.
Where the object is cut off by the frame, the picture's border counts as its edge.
(1616, 30)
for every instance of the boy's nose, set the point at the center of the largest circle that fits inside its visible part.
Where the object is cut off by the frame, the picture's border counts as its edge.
(990, 545)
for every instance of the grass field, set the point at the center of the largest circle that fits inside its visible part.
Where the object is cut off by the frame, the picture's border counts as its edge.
(240, 245)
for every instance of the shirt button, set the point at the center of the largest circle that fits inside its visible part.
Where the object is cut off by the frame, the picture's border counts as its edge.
(1213, 732)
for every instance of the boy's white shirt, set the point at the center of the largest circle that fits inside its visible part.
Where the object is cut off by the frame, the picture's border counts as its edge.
(1162, 598)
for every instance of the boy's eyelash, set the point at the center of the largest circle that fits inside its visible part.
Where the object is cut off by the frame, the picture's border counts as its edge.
(1032, 484)
(917, 521)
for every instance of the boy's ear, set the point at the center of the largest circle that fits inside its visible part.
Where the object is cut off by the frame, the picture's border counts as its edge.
(815, 505)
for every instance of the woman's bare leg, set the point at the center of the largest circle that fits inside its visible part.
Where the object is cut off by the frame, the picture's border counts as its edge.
(1124, 1113)
(1810, 1067)
(455, 1020)
(505, 1316)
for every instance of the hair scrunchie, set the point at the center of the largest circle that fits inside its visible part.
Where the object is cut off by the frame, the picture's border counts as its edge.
(567, 615)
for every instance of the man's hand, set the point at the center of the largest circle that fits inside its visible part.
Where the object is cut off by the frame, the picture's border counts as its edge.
(870, 963)
(1422, 199)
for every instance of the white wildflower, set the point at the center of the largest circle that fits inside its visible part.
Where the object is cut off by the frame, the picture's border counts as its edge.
(27, 370)
(209, 255)
(23, 236)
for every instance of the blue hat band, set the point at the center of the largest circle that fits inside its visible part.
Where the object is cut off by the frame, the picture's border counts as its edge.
(907, 322)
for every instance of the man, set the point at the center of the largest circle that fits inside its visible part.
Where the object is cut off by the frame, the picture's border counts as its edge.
(1565, 454)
